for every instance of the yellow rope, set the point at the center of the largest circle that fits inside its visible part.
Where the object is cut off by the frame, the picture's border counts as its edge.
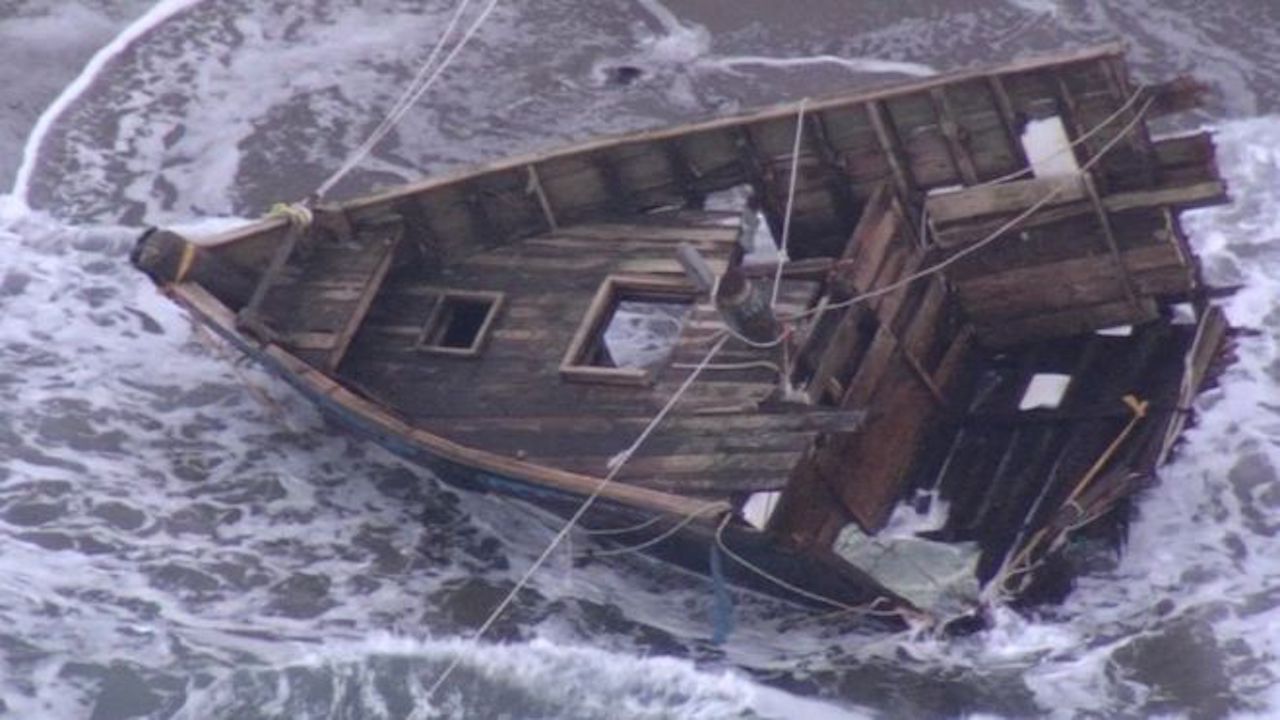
(298, 215)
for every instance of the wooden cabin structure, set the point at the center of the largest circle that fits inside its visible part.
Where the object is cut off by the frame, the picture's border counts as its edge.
(938, 263)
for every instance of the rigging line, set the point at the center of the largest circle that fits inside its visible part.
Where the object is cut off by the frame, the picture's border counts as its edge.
(625, 530)
(405, 98)
(746, 365)
(688, 518)
(868, 609)
(791, 199)
(412, 96)
(615, 468)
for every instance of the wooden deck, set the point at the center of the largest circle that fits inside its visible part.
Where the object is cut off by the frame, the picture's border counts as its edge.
(724, 437)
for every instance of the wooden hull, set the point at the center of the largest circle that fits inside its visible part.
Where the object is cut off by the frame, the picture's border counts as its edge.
(816, 576)
(937, 271)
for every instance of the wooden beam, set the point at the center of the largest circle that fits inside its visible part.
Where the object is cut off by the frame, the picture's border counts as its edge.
(1156, 269)
(684, 172)
(535, 186)
(761, 177)
(1140, 136)
(952, 132)
(1211, 333)
(1104, 219)
(1071, 321)
(342, 339)
(838, 180)
(1071, 118)
(1009, 119)
(959, 233)
(890, 145)
(250, 315)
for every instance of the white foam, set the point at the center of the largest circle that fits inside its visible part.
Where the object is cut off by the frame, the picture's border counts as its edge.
(856, 64)
(546, 678)
(159, 13)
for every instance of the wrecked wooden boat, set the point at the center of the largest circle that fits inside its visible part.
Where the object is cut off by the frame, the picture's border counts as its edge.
(982, 340)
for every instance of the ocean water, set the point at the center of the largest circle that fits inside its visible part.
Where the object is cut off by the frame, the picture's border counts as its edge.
(182, 536)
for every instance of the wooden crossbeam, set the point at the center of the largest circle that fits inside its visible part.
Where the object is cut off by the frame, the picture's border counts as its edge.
(891, 146)
(342, 339)
(1009, 119)
(250, 316)
(1104, 220)
(951, 131)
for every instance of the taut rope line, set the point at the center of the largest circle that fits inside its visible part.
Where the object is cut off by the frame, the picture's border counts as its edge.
(615, 467)
(791, 200)
(414, 93)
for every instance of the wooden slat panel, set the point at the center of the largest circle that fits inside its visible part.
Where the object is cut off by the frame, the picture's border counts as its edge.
(1068, 322)
(1003, 198)
(1076, 282)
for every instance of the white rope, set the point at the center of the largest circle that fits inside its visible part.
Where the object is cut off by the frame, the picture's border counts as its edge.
(868, 609)
(688, 518)
(747, 365)
(625, 530)
(615, 467)
(1074, 143)
(791, 199)
(414, 93)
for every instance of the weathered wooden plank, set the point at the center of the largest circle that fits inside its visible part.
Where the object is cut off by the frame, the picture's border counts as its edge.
(250, 316)
(1003, 198)
(951, 131)
(870, 473)
(1068, 322)
(651, 232)
(1009, 118)
(1079, 281)
(1104, 220)
(385, 242)
(891, 148)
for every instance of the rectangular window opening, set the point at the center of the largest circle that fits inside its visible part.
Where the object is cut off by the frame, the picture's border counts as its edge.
(459, 322)
(630, 330)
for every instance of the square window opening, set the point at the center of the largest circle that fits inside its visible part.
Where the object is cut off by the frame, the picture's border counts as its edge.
(629, 332)
(459, 322)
